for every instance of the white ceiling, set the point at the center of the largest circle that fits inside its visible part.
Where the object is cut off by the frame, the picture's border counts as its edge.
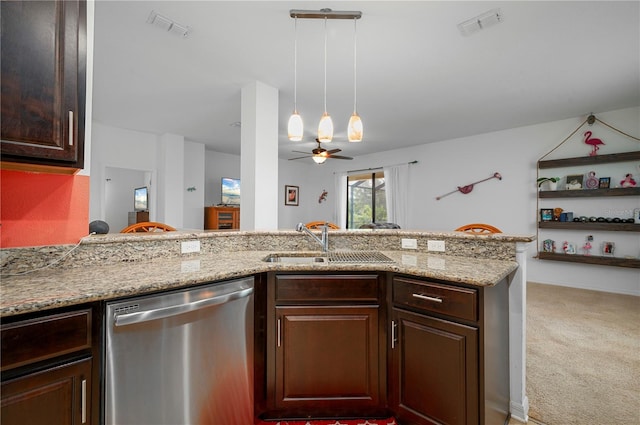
(419, 79)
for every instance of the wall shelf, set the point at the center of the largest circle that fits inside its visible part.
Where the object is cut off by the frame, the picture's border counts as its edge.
(590, 160)
(591, 259)
(578, 225)
(588, 193)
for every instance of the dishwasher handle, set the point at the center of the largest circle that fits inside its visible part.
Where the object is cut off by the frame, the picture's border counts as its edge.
(175, 310)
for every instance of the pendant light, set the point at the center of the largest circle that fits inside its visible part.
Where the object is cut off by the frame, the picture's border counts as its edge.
(295, 128)
(325, 128)
(354, 130)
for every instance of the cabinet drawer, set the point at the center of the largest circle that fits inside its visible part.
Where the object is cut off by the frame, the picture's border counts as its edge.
(335, 288)
(45, 337)
(429, 296)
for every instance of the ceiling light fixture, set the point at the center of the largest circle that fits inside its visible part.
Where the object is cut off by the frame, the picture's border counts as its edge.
(295, 128)
(485, 20)
(325, 127)
(167, 24)
(320, 158)
(354, 132)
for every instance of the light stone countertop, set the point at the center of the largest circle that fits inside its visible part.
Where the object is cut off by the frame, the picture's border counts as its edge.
(52, 287)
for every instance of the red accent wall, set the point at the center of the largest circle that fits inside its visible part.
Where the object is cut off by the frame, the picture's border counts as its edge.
(42, 209)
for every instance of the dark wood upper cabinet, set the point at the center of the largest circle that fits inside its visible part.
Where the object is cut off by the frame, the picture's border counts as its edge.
(43, 83)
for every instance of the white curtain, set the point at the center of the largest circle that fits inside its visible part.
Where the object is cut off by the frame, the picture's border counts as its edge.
(396, 179)
(340, 213)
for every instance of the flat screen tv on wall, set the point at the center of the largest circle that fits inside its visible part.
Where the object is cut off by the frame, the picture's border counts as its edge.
(230, 191)
(141, 199)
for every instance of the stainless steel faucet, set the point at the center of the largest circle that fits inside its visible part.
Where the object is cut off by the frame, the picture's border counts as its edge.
(324, 241)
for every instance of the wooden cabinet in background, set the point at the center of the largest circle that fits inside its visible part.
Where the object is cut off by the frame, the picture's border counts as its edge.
(217, 218)
(324, 358)
(50, 368)
(43, 84)
(138, 217)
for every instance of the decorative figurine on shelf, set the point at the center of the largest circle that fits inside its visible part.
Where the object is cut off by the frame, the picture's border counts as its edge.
(608, 248)
(592, 182)
(549, 246)
(593, 142)
(556, 214)
(587, 246)
(568, 248)
(628, 181)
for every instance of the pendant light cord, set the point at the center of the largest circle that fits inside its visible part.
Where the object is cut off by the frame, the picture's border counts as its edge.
(295, 67)
(355, 55)
(325, 64)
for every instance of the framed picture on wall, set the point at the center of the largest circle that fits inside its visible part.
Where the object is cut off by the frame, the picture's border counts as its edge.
(291, 194)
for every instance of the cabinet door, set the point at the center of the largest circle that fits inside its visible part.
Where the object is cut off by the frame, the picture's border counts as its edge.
(43, 79)
(434, 370)
(60, 395)
(327, 357)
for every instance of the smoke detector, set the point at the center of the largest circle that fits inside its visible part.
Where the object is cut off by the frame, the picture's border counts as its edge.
(167, 24)
(480, 22)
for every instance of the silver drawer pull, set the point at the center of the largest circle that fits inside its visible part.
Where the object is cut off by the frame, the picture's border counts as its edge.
(84, 401)
(428, 298)
(70, 128)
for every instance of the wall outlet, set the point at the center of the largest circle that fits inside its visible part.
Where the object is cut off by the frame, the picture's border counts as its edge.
(409, 243)
(437, 246)
(188, 247)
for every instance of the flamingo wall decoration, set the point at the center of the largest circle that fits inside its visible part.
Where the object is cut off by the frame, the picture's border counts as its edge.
(593, 142)
(468, 188)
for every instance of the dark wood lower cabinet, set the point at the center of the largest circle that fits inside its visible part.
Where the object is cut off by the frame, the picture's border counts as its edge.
(59, 395)
(327, 357)
(324, 354)
(449, 353)
(434, 370)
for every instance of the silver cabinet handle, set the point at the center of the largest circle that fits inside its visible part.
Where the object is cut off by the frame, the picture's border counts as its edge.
(162, 313)
(394, 325)
(70, 128)
(84, 401)
(278, 332)
(428, 298)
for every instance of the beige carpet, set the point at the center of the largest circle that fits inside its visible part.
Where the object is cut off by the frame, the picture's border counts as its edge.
(583, 356)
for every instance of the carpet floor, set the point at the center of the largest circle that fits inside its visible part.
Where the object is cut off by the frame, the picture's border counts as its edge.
(583, 356)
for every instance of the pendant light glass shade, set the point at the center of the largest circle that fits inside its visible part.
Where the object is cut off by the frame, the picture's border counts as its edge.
(319, 158)
(295, 127)
(354, 132)
(355, 129)
(325, 129)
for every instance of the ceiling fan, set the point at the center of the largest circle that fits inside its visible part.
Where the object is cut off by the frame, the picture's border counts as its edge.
(320, 154)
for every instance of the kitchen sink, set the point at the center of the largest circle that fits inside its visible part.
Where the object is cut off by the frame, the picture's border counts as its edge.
(295, 259)
(371, 257)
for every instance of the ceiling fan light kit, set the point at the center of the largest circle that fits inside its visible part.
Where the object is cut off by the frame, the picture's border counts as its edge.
(325, 127)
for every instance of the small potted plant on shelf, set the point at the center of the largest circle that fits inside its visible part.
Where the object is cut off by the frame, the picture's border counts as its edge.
(551, 182)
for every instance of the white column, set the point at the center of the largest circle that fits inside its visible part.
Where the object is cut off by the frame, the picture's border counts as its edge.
(519, 404)
(259, 157)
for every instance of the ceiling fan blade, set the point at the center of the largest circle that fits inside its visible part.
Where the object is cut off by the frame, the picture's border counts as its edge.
(300, 157)
(301, 152)
(339, 157)
(332, 151)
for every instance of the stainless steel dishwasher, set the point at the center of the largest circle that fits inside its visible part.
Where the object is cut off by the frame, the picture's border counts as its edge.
(181, 357)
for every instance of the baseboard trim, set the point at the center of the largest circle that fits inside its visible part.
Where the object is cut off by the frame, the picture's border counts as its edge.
(520, 411)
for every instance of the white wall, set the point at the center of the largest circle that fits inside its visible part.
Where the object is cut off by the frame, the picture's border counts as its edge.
(120, 183)
(193, 201)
